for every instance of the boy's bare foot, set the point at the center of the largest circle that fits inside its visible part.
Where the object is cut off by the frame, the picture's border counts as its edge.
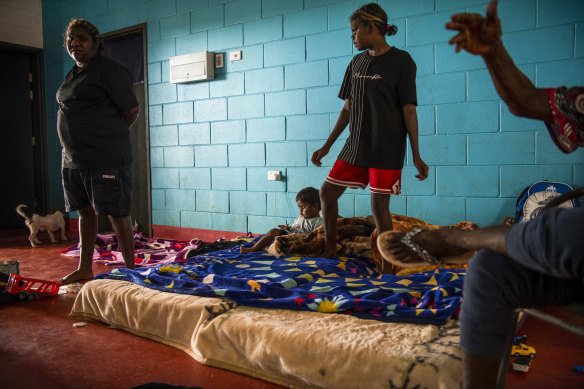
(77, 275)
(244, 250)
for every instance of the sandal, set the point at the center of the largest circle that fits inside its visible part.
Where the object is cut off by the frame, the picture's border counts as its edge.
(425, 257)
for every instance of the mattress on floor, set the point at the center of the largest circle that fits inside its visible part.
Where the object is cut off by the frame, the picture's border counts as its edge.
(296, 349)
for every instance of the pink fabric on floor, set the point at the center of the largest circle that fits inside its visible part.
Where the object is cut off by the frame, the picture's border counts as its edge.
(147, 252)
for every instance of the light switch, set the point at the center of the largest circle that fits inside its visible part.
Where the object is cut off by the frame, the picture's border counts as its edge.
(219, 60)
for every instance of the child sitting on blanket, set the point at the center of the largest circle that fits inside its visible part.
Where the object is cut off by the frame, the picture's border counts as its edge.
(308, 201)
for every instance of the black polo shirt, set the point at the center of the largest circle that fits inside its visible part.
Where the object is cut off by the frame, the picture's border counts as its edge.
(378, 88)
(92, 129)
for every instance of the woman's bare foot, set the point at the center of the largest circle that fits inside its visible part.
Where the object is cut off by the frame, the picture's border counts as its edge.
(439, 244)
(77, 275)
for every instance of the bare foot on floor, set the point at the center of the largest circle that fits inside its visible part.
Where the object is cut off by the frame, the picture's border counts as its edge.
(436, 243)
(77, 275)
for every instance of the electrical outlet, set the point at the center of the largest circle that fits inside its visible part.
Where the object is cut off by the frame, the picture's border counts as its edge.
(235, 55)
(274, 175)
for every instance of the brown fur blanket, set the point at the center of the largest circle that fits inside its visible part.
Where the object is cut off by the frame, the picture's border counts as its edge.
(355, 235)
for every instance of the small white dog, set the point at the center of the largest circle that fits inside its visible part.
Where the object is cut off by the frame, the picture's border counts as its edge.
(49, 223)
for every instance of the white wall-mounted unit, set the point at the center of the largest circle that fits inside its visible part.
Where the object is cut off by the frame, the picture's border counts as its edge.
(192, 67)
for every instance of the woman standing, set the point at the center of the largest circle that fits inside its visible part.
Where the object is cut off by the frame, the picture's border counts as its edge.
(96, 108)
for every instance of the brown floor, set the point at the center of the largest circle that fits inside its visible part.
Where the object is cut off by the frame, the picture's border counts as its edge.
(39, 347)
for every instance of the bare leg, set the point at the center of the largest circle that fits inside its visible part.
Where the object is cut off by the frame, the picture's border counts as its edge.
(449, 242)
(329, 195)
(87, 234)
(479, 372)
(383, 222)
(380, 209)
(125, 234)
(265, 240)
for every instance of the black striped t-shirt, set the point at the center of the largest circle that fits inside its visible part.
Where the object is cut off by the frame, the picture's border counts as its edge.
(378, 88)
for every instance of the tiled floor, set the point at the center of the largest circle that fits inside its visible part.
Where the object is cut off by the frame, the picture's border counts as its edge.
(39, 347)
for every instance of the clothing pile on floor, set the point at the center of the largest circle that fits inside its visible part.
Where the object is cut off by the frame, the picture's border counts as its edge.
(151, 252)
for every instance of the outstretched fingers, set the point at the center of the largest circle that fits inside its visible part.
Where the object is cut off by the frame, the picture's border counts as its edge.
(456, 26)
(492, 12)
(466, 19)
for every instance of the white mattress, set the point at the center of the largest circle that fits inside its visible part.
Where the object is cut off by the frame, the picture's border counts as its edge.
(296, 349)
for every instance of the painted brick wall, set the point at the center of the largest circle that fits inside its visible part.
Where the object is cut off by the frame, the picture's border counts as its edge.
(21, 22)
(212, 143)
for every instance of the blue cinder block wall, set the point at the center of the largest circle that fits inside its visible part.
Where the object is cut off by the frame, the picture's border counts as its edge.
(212, 143)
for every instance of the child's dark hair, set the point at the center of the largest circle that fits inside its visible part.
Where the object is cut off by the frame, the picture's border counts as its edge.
(374, 14)
(91, 29)
(309, 195)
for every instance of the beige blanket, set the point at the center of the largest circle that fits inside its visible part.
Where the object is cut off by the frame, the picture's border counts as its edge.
(296, 349)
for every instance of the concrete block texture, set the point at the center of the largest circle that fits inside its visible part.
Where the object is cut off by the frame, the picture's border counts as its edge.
(213, 142)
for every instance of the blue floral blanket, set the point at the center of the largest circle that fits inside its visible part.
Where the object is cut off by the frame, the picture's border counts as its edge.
(348, 285)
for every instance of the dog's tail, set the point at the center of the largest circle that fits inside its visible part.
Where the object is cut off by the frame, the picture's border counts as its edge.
(21, 212)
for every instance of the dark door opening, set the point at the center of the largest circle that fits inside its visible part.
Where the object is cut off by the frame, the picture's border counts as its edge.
(128, 47)
(23, 147)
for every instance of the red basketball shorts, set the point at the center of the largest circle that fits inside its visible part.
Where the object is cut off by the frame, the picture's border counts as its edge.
(379, 180)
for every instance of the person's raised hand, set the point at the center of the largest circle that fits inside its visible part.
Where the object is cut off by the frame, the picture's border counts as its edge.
(318, 155)
(476, 34)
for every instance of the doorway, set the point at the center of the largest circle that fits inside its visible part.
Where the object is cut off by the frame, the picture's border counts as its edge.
(23, 150)
(128, 47)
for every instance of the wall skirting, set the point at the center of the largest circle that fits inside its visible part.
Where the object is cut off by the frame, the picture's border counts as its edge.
(184, 233)
(174, 233)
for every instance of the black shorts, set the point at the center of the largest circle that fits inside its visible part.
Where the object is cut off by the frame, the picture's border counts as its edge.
(107, 190)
